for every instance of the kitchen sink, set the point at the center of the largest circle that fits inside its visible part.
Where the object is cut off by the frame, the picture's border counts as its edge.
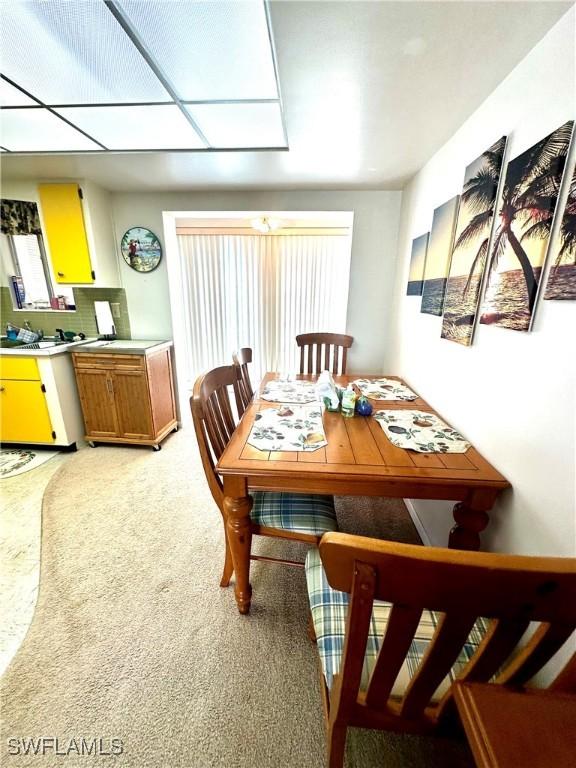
(43, 344)
(18, 344)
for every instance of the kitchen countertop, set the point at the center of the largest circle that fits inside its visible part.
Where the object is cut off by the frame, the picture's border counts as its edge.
(57, 349)
(121, 346)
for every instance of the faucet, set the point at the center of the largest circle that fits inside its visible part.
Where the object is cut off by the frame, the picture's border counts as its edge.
(60, 334)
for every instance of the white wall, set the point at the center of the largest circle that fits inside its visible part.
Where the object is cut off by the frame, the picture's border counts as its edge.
(511, 393)
(374, 247)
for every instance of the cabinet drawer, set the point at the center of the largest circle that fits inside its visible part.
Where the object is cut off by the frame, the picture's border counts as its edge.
(23, 368)
(112, 362)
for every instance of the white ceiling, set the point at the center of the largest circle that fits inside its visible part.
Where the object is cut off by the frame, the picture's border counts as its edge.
(370, 91)
(133, 75)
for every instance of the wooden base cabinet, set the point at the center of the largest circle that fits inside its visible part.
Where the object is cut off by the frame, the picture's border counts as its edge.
(127, 398)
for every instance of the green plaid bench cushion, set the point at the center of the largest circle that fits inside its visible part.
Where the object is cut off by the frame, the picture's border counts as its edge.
(329, 609)
(299, 512)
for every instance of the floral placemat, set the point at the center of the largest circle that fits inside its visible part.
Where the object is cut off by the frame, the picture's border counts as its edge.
(420, 431)
(289, 392)
(288, 428)
(385, 389)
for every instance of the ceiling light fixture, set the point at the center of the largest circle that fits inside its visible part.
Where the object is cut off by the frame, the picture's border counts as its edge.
(264, 224)
(217, 79)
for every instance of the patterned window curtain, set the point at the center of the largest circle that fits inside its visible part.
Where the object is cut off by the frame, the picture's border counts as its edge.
(19, 217)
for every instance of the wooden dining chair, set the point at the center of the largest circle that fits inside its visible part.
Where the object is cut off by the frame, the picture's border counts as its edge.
(243, 391)
(396, 624)
(323, 352)
(303, 517)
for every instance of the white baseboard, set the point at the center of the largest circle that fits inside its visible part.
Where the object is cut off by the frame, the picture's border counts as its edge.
(418, 523)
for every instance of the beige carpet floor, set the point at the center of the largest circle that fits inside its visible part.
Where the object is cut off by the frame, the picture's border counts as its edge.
(133, 639)
(20, 523)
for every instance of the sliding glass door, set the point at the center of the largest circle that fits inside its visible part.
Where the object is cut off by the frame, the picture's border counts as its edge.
(260, 291)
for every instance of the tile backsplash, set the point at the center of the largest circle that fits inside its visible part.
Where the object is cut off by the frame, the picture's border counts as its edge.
(81, 319)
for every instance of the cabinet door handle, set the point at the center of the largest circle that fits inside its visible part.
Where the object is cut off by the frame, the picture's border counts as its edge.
(60, 274)
(109, 386)
(2, 389)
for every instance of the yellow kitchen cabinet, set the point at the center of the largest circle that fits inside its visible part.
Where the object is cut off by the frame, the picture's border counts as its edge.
(65, 231)
(39, 400)
(24, 368)
(25, 417)
(23, 408)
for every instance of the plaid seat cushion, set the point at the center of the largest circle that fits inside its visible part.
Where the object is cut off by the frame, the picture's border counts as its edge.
(329, 609)
(299, 512)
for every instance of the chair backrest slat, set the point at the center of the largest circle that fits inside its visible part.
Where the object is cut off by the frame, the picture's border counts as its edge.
(326, 366)
(243, 390)
(499, 642)
(509, 591)
(544, 643)
(327, 346)
(449, 638)
(223, 399)
(344, 358)
(213, 421)
(496, 647)
(217, 441)
(359, 617)
(217, 419)
(400, 630)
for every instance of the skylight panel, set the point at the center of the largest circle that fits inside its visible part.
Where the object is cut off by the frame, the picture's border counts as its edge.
(73, 52)
(38, 130)
(240, 125)
(208, 50)
(13, 97)
(135, 127)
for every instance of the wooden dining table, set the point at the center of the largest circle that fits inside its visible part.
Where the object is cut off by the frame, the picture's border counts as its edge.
(358, 460)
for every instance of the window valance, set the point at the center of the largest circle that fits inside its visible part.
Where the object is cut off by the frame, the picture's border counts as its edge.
(19, 217)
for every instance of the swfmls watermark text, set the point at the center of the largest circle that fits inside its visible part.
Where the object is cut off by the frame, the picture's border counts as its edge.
(72, 747)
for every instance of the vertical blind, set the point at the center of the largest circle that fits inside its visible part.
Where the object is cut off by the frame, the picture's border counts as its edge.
(260, 292)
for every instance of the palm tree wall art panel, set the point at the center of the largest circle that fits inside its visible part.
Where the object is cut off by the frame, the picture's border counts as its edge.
(471, 244)
(562, 279)
(438, 257)
(417, 262)
(521, 239)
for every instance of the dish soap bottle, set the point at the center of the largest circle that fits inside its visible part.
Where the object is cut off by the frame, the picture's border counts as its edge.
(348, 401)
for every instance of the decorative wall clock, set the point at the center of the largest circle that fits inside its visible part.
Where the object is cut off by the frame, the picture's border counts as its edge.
(141, 249)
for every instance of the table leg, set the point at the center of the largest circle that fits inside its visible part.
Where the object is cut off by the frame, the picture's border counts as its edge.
(469, 523)
(237, 512)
